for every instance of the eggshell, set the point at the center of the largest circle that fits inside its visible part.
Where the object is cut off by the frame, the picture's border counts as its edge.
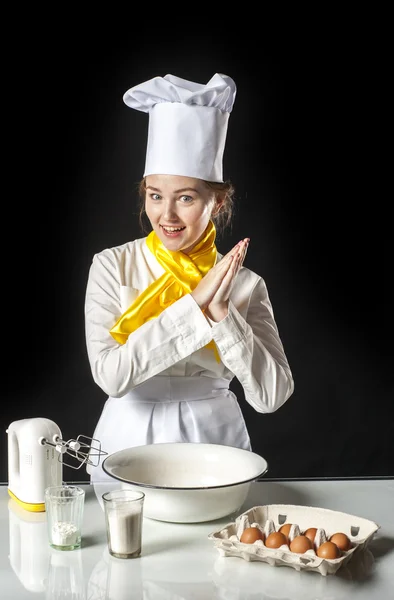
(328, 550)
(251, 535)
(285, 529)
(301, 544)
(276, 539)
(310, 533)
(341, 540)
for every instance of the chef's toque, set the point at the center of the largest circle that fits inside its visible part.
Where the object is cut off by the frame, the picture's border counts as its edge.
(187, 124)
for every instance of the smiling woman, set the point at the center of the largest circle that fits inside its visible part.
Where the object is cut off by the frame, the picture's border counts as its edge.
(222, 192)
(179, 209)
(169, 320)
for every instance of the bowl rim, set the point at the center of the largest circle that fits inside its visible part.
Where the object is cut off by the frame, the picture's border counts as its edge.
(187, 488)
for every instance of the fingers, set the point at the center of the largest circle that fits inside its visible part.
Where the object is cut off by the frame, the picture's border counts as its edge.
(233, 261)
(218, 281)
(245, 249)
(240, 252)
(234, 250)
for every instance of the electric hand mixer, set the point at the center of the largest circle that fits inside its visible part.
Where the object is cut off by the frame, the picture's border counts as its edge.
(36, 453)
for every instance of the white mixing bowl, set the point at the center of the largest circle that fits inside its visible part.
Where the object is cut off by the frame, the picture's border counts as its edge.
(187, 482)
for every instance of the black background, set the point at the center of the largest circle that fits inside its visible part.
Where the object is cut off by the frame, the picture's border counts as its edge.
(306, 153)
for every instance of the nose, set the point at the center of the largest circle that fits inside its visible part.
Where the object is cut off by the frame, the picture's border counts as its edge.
(169, 211)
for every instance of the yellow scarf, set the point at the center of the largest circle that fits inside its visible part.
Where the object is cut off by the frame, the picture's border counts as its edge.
(182, 274)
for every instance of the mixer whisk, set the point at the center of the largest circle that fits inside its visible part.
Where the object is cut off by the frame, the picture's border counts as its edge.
(82, 450)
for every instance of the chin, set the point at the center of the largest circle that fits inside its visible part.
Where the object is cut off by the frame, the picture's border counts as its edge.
(175, 244)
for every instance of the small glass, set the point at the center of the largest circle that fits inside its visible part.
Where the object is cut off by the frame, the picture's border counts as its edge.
(64, 506)
(123, 518)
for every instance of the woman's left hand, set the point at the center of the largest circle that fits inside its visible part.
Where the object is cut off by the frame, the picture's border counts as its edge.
(218, 307)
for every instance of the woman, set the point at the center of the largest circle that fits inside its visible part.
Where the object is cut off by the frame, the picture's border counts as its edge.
(169, 320)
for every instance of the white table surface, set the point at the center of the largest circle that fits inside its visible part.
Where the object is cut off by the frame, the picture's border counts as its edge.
(179, 562)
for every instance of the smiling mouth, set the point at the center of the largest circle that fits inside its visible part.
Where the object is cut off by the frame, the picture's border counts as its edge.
(172, 229)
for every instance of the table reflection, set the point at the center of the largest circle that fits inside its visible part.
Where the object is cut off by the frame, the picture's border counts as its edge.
(29, 548)
(38, 567)
(116, 579)
(65, 576)
(236, 579)
(147, 578)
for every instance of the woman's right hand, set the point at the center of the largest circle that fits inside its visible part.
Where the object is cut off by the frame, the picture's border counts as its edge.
(209, 285)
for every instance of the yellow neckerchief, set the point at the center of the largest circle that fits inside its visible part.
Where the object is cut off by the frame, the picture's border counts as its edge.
(182, 274)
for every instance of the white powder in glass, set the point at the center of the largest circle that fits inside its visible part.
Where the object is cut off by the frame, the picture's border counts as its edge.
(64, 534)
(125, 528)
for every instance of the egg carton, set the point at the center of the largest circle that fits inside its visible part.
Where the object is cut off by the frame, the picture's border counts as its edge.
(271, 517)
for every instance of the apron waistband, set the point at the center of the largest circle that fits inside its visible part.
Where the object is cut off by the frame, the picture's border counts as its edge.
(177, 389)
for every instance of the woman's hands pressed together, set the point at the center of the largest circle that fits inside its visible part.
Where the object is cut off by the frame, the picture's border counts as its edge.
(213, 291)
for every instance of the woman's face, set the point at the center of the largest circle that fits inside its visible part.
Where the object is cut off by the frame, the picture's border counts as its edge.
(179, 209)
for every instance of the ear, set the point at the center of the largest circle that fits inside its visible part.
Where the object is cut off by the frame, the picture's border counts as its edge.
(219, 201)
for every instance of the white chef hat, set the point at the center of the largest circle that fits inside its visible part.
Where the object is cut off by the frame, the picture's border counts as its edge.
(187, 124)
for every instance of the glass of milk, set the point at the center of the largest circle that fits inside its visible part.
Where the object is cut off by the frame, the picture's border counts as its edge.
(123, 511)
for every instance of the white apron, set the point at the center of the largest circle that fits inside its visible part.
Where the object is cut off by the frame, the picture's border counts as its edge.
(170, 409)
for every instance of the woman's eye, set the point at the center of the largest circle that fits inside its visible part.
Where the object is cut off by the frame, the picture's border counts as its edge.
(186, 198)
(155, 196)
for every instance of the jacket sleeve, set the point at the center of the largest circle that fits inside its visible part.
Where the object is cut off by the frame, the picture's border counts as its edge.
(252, 350)
(177, 332)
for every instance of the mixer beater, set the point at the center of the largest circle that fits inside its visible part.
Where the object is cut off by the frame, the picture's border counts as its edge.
(81, 452)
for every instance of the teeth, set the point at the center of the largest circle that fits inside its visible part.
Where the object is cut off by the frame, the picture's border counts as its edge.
(171, 229)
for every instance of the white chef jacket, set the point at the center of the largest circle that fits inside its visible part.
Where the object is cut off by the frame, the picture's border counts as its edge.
(163, 384)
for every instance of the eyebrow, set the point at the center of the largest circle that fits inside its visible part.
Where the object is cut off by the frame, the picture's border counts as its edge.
(187, 189)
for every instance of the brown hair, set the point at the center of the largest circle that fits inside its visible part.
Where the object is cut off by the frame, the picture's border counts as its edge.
(221, 219)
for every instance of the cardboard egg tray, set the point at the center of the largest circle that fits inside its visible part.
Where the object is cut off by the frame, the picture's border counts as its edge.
(271, 517)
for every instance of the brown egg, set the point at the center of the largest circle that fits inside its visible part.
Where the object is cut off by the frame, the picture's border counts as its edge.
(276, 539)
(250, 535)
(328, 550)
(311, 533)
(341, 540)
(286, 529)
(301, 544)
